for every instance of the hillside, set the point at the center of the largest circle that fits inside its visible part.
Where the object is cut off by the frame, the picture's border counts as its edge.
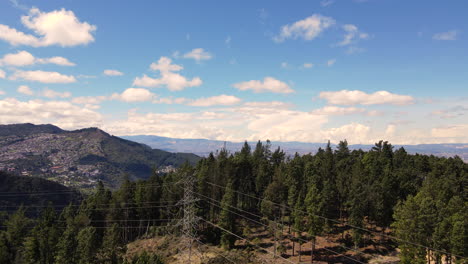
(203, 147)
(79, 158)
(29, 192)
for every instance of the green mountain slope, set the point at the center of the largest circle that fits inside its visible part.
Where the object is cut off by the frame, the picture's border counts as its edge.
(80, 158)
(33, 193)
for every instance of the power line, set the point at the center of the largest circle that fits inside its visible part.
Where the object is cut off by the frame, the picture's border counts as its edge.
(79, 205)
(244, 239)
(110, 208)
(264, 225)
(342, 223)
(203, 244)
(76, 191)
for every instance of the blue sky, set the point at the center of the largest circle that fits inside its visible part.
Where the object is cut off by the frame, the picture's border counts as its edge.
(303, 71)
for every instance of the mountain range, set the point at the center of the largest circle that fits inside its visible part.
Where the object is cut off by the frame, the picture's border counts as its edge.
(203, 147)
(80, 158)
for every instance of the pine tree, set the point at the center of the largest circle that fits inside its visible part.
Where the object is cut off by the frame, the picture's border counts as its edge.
(87, 245)
(17, 227)
(112, 245)
(41, 245)
(227, 219)
(5, 250)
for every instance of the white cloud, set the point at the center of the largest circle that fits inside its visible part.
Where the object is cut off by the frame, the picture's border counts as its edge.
(2, 74)
(198, 54)
(54, 94)
(24, 89)
(284, 65)
(56, 60)
(286, 125)
(449, 35)
(132, 95)
(269, 84)
(42, 77)
(307, 29)
(352, 35)
(335, 110)
(113, 73)
(308, 65)
(89, 100)
(165, 65)
(331, 62)
(354, 132)
(216, 100)
(15, 37)
(61, 113)
(390, 131)
(347, 97)
(173, 81)
(326, 3)
(58, 27)
(24, 58)
(266, 105)
(2, 92)
(228, 41)
(455, 131)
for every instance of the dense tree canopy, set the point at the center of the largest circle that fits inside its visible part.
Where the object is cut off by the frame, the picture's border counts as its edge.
(421, 200)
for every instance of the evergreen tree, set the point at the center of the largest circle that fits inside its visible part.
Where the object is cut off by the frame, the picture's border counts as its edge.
(87, 245)
(17, 227)
(5, 250)
(227, 220)
(112, 245)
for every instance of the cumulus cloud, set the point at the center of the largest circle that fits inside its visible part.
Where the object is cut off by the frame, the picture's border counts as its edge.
(132, 95)
(164, 64)
(347, 97)
(24, 58)
(89, 100)
(354, 132)
(2, 74)
(24, 89)
(113, 73)
(449, 35)
(199, 54)
(173, 81)
(42, 77)
(335, 110)
(454, 131)
(269, 84)
(58, 27)
(257, 121)
(54, 94)
(307, 29)
(216, 100)
(352, 35)
(61, 113)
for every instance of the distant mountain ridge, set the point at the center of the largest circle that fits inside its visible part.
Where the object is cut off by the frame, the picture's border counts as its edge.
(81, 157)
(203, 147)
